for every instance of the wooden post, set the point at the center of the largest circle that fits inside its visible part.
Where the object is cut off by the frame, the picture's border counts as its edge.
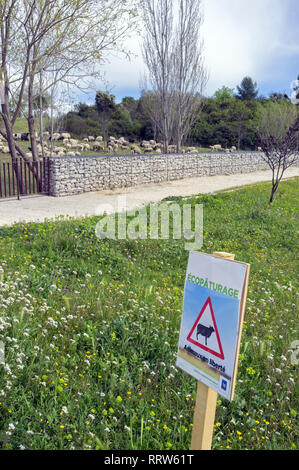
(205, 406)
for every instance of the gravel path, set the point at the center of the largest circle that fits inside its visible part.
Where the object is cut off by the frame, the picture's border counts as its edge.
(39, 208)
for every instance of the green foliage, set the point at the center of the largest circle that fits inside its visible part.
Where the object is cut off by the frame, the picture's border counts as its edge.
(91, 329)
(227, 121)
(224, 96)
(224, 119)
(275, 118)
(105, 103)
(75, 124)
(247, 90)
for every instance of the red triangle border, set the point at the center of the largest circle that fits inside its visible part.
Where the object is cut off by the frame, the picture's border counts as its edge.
(215, 353)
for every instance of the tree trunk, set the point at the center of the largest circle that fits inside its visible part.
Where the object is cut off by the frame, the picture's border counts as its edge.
(30, 120)
(41, 126)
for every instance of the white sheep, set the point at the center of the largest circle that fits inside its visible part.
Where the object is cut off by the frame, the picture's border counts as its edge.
(65, 135)
(97, 147)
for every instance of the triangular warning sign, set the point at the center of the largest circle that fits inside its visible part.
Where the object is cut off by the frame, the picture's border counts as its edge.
(204, 332)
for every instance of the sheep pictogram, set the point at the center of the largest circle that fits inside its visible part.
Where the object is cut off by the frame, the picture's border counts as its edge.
(204, 331)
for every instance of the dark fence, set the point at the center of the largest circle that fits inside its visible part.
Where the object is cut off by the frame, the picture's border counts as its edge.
(22, 178)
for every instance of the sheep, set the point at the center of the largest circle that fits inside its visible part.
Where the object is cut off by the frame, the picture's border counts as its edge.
(17, 136)
(171, 148)
(99, 139)
(91, 138)
(65, 135)
(136, 151)
(25, 136)
(5, 150)
(124, 143)
(204, 331)
(135, 148)
(97, 147)
(216, 147)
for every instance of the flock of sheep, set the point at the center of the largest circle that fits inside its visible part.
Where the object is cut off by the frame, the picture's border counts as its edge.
(74, 147)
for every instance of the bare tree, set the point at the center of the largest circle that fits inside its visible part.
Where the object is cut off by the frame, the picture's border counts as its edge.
(157, 54)
(189, 73)
(173, 55)
(278, 130)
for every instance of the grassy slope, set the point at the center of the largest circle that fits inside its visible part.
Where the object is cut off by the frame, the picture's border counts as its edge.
(91, 331)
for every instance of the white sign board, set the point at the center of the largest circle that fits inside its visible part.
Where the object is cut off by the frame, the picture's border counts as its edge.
(211, 326)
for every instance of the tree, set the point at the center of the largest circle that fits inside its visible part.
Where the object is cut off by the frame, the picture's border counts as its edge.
(105, 105)
(241, 117)
(225, 96)
(247, 90)
(173, 54)
(276, 96)
(157, 54)
(65, 40)
(278, 131)
(189, 74)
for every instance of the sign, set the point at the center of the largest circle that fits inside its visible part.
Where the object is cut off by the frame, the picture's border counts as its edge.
(211, 326)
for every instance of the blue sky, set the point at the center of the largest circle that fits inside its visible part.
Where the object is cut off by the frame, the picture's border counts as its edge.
(259, 38)
(226, 316)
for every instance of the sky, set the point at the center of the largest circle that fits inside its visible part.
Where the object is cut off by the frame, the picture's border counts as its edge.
(259, 39)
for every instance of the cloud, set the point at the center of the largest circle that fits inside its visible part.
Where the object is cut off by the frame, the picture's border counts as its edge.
(256, 38)
(241, 39)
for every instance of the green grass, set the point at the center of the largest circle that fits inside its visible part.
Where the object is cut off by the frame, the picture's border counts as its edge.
(91, 327)
(25, 146)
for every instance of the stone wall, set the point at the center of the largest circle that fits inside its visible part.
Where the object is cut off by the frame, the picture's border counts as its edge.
(76, 175)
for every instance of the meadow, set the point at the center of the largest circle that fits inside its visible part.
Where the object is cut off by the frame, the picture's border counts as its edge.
(90, 329)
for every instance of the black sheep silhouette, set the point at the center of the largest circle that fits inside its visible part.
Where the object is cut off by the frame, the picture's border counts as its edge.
(204, 331)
